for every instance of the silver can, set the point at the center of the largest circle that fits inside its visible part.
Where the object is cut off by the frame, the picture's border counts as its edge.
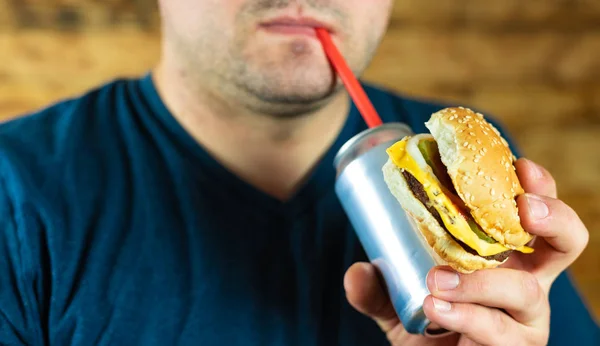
(389, 237)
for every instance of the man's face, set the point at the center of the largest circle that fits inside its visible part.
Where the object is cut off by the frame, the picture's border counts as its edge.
(264, 52)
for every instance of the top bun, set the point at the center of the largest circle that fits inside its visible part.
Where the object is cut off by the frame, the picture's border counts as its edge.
(480, 165)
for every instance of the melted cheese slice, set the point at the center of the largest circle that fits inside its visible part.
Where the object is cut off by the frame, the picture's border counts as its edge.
(455, 223)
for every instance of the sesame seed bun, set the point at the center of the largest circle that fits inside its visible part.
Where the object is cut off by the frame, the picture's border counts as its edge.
(480, 165)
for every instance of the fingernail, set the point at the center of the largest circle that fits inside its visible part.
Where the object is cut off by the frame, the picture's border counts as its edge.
(441, 305)
(537, 208)
(536, 170)
(445, 280)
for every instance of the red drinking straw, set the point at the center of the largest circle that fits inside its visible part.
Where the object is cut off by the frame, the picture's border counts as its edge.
(354, 88)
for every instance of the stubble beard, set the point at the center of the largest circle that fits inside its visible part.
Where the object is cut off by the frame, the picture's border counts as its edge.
(292, 83)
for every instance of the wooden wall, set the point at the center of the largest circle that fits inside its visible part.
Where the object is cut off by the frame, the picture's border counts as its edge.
(534, 64)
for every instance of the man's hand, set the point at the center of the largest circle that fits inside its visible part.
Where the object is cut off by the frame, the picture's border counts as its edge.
(501, 306)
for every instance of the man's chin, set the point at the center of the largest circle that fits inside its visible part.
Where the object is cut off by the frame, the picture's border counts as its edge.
(295, 98)
(293, 103)
(292, 99)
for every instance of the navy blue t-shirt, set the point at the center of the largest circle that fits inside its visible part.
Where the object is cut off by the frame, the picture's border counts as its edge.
(117, 228)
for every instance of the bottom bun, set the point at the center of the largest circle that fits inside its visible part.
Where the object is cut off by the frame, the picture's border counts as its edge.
(448, 250)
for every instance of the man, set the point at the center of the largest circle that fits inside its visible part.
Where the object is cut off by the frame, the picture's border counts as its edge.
(195, 205)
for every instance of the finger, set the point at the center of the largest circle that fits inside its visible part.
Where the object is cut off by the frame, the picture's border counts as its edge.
(365, 292)
(517, 292)
(555, 221)
(481, 324)
(535, 178)
(565, 235)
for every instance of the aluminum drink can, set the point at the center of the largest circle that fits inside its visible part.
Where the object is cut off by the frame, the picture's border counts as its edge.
(389, 237)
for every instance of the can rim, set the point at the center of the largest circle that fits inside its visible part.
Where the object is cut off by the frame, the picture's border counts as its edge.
(352, 142)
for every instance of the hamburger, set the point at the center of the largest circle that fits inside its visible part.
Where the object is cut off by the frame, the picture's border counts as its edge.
(458, 183)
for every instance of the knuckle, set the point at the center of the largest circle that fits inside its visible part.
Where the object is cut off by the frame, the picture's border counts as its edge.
(568, 213)
(531, 289)
(582, 241)
(479, 285)
(552, 183)
(580, 234)
(468, 320)
(499, 321)
(536, 337)
(569, 227)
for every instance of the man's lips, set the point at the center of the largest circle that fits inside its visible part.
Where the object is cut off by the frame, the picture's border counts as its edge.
(294, 26)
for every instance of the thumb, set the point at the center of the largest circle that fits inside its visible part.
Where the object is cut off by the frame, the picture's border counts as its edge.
(366, 293)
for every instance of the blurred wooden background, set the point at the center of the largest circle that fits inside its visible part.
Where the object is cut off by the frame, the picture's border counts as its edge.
(534, 64)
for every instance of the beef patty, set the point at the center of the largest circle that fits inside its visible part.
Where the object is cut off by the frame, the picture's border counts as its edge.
(419, 192)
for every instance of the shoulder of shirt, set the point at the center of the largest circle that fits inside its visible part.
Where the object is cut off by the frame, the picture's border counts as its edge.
(36, 145)
(46, 124)
(394, 106)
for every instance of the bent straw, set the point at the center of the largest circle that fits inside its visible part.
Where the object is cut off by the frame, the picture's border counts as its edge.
(358, 95)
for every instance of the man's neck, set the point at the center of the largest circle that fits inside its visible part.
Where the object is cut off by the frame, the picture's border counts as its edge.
(274, 154)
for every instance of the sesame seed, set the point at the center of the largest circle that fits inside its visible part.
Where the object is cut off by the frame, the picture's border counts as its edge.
(503, 206)
(478, 141)
(494, 179)
(492, 192)
(476, 160)
(472, 133)
(465, 144)
(505, 195)
(472, 198)
(486, 185)
(453, 111)
(468, 195)
(507, 178)
(512, 190)
(469, 182)
(469, 125)
(480, 173)
(496, 205)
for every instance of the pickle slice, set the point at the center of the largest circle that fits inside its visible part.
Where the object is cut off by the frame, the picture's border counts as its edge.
(477, 230)
(431, 154)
